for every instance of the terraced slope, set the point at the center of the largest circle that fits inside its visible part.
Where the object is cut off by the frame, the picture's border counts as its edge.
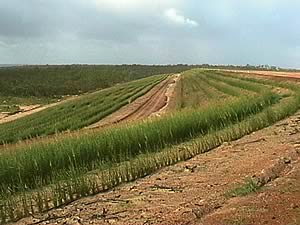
(76, 113)
(40, 176)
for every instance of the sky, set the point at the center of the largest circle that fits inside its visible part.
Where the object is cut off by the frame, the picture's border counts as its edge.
(150, 32)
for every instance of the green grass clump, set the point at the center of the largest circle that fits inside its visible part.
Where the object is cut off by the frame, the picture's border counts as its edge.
(250, 186)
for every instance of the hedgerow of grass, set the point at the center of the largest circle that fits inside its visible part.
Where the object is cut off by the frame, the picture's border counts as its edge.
(221, 86)
(196, 92)
(128, 153)
(77, 113)
(38, 164)
(236, 82)
(24, 204)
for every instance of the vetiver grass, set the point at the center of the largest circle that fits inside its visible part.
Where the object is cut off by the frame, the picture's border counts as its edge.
(196, 92)
(78, 186)
(237, 82)
(125, 153)
(201, 87)
(37, 164)
(77, 113)
(263, 80)
(222, 86)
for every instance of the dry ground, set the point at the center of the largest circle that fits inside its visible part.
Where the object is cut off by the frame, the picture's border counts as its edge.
(193, 192)
(284, 75)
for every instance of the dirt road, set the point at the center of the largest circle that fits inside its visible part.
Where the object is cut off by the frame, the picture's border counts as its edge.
(152, 103)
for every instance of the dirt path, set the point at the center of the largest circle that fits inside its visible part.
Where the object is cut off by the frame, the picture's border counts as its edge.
(193, 192)
(152, 103)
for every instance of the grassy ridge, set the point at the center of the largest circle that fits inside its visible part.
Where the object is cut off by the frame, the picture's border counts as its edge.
(196, 92)
(77, 113)
(39, 164)
(237, 82)
(97, 181)
(200, 88)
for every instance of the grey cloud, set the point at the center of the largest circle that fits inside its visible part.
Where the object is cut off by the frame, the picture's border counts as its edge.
(77, 31)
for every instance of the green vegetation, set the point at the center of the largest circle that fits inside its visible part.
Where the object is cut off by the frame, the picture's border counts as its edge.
(250, 186)
(53, 81)
(29, 85)
(40, 176)
(77, 113)
(9, 109)
(39, 164)
(208, 87)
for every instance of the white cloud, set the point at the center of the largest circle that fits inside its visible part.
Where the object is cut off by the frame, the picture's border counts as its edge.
(175, 17)
(132, 5)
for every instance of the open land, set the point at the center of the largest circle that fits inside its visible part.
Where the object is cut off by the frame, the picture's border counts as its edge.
(202, 147)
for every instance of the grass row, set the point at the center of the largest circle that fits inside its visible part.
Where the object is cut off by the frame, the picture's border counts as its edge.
(41, 176)
(201, 87)
(39, 164)
(267, 81)
(237, 82)
(77, 113)
(196, 92)
(222, 86)
(76, 187)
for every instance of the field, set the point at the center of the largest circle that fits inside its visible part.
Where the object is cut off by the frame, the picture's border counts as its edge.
(73, 114)
(204, 110)
(46, 84)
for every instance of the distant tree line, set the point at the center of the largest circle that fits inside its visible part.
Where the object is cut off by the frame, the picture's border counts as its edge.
(55, 81)
(58, 80)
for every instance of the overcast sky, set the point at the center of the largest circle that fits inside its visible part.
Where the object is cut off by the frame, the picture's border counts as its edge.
(150, 32)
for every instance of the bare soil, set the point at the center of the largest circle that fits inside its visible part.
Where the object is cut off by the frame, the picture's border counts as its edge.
(285, 75)
(193, 192)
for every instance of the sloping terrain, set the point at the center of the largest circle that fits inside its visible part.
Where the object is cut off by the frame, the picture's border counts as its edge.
(194, 192)
(285, 75)
(150, 103)
(29, 110)
(43, 176)
(76, 113)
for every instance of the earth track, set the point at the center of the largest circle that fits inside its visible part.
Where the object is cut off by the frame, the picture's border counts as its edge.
(152, 103)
